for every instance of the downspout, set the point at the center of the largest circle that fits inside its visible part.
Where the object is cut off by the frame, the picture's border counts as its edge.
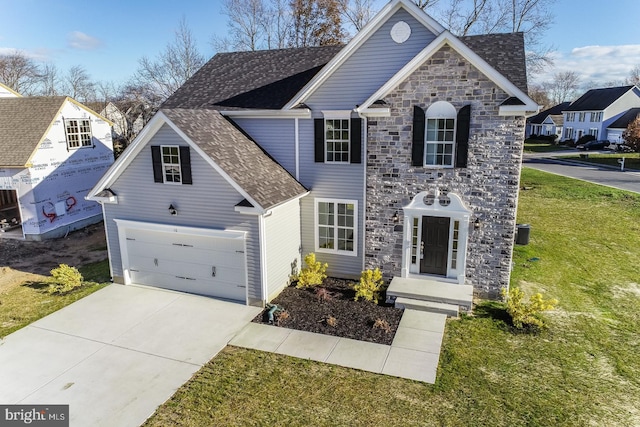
(297, 148)
(263, 256)
(364, 189)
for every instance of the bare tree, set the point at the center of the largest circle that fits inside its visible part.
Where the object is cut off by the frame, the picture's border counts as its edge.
(316, 23)
(19, 72)
(78, 84)
(49, 80)
(173, 66)
(246, 28)
(634, 76)
(563, 87)
(357, 12)
(277, 24)
(540, 96)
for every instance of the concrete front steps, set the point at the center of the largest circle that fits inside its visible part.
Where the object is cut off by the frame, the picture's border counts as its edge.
(430, 294)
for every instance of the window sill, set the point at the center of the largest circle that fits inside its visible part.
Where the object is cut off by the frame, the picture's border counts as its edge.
(337, 252)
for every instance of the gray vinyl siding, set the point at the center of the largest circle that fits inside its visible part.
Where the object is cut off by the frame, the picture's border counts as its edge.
(208, 203)
(371, 66)
(282, 235)
(275, 136)
(331, 181)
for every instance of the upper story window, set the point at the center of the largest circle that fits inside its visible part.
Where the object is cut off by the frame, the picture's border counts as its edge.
(171, 164)
(337, 140)
(78, 133)
(581, 116)
(596, 117)
(571, 117)
(440, 135)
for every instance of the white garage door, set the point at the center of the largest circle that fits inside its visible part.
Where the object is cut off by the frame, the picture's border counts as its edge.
(199, 264)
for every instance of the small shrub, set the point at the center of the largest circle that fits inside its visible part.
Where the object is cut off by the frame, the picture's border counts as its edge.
(322, 294)
(382, 324)
(526, 314)
(64, 279)
(370, 285)
(313, 273)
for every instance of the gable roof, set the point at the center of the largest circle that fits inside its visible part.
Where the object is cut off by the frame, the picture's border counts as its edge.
(598, 99)
(623, 121)
(24, 122)
(264, 79)
(553, 111)
(248, 168)
(6, 91)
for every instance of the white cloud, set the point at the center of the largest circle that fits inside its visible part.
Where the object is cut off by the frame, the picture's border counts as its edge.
(37, 54)
(597, 64)
(82, 41)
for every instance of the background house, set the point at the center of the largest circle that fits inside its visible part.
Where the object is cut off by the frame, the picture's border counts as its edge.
(401, 150)
(53, 151)
(593, 112)
(547, 122)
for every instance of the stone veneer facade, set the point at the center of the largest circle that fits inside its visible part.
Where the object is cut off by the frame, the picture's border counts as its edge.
(488, 186)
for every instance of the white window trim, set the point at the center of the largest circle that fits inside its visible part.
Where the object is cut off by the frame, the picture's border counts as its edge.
(336, 115)
(355, 227)
(440, 110)
(164, 176)
(66, 133)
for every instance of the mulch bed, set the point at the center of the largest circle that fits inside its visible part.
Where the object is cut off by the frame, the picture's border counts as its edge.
(333, 311)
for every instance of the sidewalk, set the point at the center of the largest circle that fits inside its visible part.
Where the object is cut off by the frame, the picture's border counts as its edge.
(413, 354)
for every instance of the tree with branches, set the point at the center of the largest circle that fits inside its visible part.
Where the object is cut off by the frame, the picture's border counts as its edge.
(563, 87)
(19, 72)
(631, 135)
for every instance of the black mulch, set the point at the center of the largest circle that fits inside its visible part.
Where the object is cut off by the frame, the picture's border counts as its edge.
(309, 311)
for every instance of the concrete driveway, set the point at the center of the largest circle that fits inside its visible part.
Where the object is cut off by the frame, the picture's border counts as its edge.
(117, 354)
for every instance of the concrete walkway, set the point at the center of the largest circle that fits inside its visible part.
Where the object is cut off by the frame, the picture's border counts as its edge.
(414, 353)
(117, 354)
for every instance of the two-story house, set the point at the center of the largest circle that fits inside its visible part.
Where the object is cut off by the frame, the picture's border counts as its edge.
(547, 122)
(53, 150)
(593, 112)
(400, 150)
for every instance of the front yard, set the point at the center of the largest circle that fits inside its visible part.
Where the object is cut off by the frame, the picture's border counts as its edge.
(632, 160)
(583, 370)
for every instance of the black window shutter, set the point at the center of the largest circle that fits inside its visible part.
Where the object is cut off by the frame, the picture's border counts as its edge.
(462, 136)
(185, 165)
(417, 146)
(318, 136)
(355, 145)
(157, 163)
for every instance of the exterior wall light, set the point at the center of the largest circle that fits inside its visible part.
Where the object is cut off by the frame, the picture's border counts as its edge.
(477, 224)
(173, 210)
(395, 218)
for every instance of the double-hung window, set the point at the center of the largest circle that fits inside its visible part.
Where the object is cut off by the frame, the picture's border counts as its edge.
(581, 117)
(78, 133)
(440, 135)
(336, 226)
(171, 164)
(596, 117)
(337, 137)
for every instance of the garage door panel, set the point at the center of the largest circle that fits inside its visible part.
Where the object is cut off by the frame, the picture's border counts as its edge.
(206, 265)
(199, 256)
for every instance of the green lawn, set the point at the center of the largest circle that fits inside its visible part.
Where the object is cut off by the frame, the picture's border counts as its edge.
(25, 302)
(632, 160)
(537, 146)
(583, 371)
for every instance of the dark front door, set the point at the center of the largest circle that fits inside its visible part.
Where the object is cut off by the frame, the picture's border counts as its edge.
(434, 245)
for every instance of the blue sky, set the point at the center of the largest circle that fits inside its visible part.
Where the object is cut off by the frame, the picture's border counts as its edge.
(600, 41)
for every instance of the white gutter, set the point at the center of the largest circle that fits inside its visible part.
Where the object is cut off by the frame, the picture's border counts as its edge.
(303, 113)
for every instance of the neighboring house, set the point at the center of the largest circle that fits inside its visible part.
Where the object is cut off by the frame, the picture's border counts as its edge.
(401, 150)
(547, 122)
(617, 128)
(7, 92)
(54, 150)
(593, 112)
(111, 112)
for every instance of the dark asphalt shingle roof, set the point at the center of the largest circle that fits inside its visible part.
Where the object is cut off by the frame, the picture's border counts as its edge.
(623, 121)
(268, 79)
(598, 99)
(23, 124)
(266, 181)
(555, 110)
(264, 79)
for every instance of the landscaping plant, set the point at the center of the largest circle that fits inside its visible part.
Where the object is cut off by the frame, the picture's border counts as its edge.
(370, 285)
(526, 314)
(64, 279)
(313, 273)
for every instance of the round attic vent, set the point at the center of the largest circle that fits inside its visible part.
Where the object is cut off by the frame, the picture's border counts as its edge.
(400, 32)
